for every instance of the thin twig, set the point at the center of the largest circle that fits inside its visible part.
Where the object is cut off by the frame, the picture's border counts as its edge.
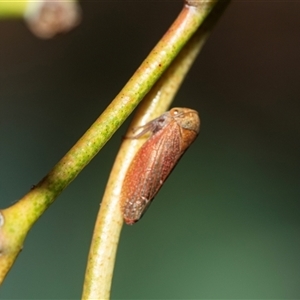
(16, 221)
(109, 222)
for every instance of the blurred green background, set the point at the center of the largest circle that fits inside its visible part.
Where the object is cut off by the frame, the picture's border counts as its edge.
(226, 223)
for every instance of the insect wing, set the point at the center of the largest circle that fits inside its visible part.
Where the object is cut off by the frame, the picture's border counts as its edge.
(149, 169)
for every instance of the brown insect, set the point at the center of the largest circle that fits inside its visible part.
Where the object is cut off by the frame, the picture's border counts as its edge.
(171, 134)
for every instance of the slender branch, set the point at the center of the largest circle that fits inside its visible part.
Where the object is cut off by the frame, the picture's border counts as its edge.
(20, 217)
(16, 221)
(109, 222)
(13, 9)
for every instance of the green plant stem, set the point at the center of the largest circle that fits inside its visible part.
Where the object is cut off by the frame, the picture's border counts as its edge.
(20, 217)
(13, 9)
(109, 222)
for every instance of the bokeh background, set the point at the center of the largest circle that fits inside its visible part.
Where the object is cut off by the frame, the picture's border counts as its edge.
(226, 223)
